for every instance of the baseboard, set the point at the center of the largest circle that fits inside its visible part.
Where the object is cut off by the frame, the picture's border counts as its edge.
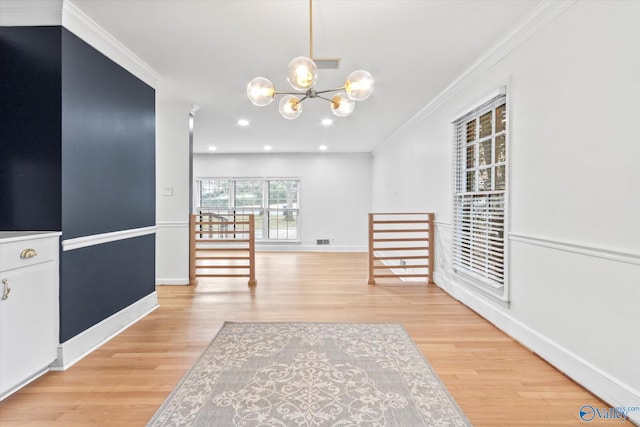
(172, 282)
(23, 383)
(73, 350)
(609, 389)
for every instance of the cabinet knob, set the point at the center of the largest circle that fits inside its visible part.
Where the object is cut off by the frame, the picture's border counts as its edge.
(28, 253)
(6, 289)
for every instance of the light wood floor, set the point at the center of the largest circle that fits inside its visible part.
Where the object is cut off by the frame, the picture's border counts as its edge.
(496, 381)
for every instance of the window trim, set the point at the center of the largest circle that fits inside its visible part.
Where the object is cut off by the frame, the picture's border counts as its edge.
(478, 284)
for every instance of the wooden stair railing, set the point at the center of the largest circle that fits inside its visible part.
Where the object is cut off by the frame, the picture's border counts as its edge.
(401, 245)
(219, 244)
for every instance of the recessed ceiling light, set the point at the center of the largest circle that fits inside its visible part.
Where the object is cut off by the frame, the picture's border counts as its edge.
(267, 148)
(323, 148)
(243, 122)
(212, 148)
(327, 122)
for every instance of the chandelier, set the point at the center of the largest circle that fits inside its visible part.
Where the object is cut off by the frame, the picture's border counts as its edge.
(302, 74)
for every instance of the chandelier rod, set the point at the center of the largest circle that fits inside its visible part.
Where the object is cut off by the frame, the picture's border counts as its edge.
(310, 30)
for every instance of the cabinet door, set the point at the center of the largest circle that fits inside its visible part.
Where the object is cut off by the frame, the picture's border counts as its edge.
(28, 323)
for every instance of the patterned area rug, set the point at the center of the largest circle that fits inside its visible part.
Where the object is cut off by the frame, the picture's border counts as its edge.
(310, 374)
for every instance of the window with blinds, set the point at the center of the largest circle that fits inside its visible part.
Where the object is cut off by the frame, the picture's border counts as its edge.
(479, 199)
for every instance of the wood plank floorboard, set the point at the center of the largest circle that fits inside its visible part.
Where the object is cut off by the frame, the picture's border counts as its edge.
(495, 380)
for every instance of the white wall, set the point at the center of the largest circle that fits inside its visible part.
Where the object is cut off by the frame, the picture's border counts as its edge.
(335, 192)
(574, 234)
(172, 176)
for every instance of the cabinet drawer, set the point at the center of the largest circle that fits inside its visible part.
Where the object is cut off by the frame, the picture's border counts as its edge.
(28, 252)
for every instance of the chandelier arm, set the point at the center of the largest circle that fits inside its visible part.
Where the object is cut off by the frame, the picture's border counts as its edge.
(330, 90)
(288, 93)
(326, 99)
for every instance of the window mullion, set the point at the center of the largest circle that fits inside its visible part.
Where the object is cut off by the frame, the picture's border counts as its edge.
(232, 195)
(266, 210)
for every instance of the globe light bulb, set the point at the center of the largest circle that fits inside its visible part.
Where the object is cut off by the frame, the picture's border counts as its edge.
(290, 107)
(302, 73)
(359, 85)
(342, 105)
(260, 91)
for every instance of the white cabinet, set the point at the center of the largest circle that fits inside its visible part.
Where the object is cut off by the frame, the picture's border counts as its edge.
(29, 321)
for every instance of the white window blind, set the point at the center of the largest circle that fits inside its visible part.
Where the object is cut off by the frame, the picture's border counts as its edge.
(479, 200)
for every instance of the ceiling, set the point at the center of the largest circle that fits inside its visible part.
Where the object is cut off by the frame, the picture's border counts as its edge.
(208, 50)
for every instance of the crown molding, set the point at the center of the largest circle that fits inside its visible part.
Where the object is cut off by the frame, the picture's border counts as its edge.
(79, 23)
(544, 13)
(67, 14)
(18, 13)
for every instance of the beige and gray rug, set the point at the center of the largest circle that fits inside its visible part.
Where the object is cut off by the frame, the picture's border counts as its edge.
(310, 374)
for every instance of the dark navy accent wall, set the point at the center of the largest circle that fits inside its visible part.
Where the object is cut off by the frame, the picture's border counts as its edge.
(30, 128)
(108, 184)
(78, 155)
(102, 280)
(108, 150)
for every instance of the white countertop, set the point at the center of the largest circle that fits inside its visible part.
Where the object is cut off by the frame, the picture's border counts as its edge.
(14, 236)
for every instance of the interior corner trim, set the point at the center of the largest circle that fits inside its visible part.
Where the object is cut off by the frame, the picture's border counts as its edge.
(97, 239)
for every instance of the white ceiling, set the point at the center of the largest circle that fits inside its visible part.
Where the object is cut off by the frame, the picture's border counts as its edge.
(208, 50)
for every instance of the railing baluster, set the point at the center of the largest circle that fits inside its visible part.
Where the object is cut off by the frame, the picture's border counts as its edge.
(410, 235)
(210, 229)
(372, 280)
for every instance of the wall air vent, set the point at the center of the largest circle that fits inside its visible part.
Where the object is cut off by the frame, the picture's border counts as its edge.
(323, 241)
